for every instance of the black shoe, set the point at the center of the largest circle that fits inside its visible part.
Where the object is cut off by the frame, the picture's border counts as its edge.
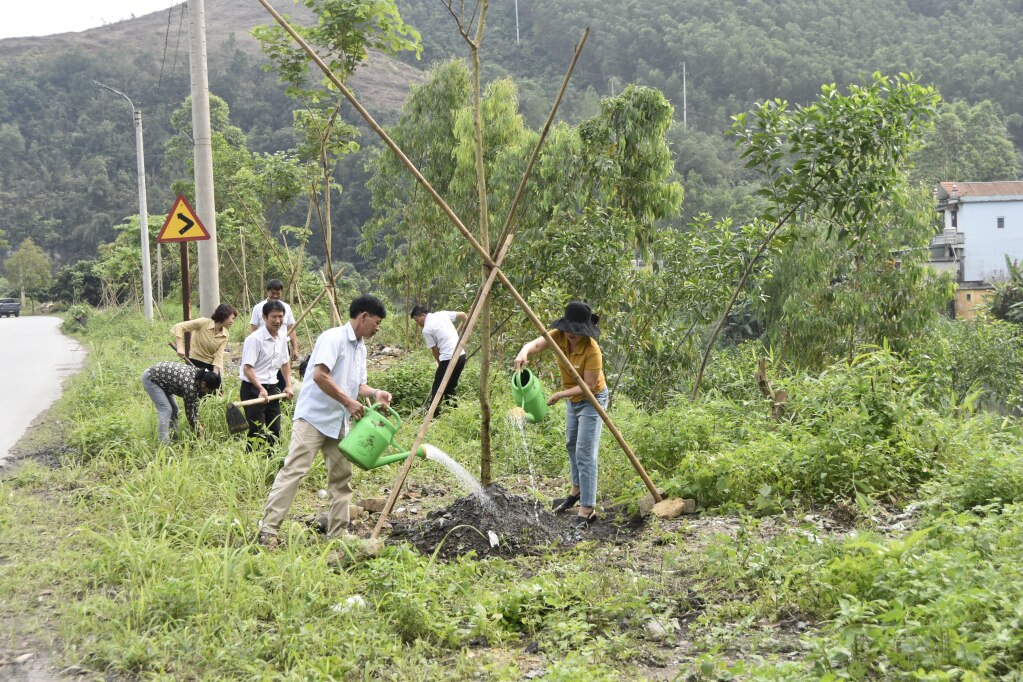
(565, 503)
(584, 522)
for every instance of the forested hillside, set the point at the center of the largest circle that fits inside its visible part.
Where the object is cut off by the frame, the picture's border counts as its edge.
(737, 51)
(67, 165)
(67, 169)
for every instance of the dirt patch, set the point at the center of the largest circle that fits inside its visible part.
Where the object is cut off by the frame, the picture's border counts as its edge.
(508, 526)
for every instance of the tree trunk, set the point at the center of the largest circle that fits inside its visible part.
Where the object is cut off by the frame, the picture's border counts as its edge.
(481, 187)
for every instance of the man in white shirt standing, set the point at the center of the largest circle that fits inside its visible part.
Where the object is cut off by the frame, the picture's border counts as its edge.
(325, 406)
(442, 338)
(274, 289)
(264, 355)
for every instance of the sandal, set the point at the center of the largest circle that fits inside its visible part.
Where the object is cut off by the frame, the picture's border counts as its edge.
(565, 503)
(584, 522)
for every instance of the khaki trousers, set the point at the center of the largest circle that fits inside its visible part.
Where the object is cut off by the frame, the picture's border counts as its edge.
(305, 442)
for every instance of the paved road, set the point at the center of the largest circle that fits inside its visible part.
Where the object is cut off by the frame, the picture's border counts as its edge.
(36, 359)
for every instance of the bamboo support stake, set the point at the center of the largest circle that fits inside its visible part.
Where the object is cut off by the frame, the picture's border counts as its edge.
(484, 255)
(316, 300)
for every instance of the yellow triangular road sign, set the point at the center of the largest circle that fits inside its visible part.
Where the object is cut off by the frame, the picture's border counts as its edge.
(182, 224)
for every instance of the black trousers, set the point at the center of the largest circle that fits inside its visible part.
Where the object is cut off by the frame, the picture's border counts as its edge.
(264, 418)
(449, 390)
(200, 363)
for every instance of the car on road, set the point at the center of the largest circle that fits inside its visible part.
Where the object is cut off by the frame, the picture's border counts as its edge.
(10, 306)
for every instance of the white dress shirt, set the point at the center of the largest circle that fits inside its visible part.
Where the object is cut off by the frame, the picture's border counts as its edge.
(344, 355)
(439, 330)
(257, 315)
(266, 354)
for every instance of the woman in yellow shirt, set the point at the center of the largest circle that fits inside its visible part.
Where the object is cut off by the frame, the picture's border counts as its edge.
(209, 338)
(576, 334)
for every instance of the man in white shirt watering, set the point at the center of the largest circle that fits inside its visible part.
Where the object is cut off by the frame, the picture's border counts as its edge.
(442, 338)
(325, 405)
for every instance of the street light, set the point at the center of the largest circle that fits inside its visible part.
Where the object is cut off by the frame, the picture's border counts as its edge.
(147, 279)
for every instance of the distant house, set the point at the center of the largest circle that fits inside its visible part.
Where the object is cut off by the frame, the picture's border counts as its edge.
(982, 224)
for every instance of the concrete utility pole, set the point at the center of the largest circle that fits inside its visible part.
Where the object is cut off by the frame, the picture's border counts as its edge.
(205, 207)
(516, 22)
(147, 279)
(685, 110)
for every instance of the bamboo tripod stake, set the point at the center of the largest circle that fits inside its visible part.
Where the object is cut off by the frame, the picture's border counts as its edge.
(495, 271)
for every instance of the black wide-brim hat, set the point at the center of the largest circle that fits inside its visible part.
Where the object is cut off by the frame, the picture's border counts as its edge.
(578, 319)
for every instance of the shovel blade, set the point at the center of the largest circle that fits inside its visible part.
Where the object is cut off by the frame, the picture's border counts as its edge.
(236, 421)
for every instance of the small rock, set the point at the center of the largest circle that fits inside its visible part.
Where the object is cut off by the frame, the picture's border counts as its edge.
(532, 648)
(373, 504)
(655, 630)
(646, 503)
(355, 511)
(74, 670)
(536, 672)
(493, 538)
(24, 658)
(669, 509)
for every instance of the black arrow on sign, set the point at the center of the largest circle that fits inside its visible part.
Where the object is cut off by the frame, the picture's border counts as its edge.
(188, 223)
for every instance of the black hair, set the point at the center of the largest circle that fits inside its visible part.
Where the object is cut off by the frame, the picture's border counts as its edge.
(271, 306)
(208, 377)
(367, 303)
(223, 312)
(275, 284)
(418, 310)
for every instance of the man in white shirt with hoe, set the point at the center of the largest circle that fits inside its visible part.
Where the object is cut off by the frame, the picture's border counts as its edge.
(442, 338)
(264, 358)
(274, 289)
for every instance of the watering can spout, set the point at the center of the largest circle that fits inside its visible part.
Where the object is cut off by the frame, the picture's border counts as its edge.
(399, 457)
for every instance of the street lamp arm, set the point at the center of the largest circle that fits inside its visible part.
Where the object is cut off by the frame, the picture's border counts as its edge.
(107, 87)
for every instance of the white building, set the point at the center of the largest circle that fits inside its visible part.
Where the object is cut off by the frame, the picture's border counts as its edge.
(983, 223)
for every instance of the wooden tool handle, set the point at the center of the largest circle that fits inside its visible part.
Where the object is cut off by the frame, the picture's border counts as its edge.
(175, 349)
(256, 401)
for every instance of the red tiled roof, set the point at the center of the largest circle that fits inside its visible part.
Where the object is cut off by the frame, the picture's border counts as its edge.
(984, 189)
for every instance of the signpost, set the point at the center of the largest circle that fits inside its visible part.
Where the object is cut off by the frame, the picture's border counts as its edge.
(183, 225)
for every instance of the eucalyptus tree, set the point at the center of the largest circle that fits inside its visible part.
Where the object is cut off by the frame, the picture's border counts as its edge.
(840, 161)
(343, 35)
(827, 295)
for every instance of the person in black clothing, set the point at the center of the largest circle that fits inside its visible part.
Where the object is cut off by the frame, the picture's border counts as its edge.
(164, 380)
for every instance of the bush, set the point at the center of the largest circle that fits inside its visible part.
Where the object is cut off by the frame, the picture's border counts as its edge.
(988, 469)
(970, 361)
(76, 321)
(859, 427)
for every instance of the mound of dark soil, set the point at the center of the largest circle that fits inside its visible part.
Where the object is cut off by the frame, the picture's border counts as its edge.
(507, 526)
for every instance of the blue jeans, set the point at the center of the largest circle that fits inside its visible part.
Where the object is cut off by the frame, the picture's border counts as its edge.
(582, 440)
(166, 408)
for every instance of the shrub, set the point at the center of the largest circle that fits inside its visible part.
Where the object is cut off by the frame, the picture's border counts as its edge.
(76, 320)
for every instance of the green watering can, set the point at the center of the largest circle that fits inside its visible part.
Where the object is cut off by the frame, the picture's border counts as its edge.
(527, 392)
(369, 439)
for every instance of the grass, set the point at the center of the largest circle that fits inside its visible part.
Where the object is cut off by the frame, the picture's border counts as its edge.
(146, 553)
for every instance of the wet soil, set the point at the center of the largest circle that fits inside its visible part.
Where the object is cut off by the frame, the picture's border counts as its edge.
(507, 526)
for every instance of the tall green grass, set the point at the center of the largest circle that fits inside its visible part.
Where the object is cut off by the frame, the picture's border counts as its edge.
(146, 555)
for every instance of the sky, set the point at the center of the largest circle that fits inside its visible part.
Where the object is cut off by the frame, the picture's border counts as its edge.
(44, 17)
